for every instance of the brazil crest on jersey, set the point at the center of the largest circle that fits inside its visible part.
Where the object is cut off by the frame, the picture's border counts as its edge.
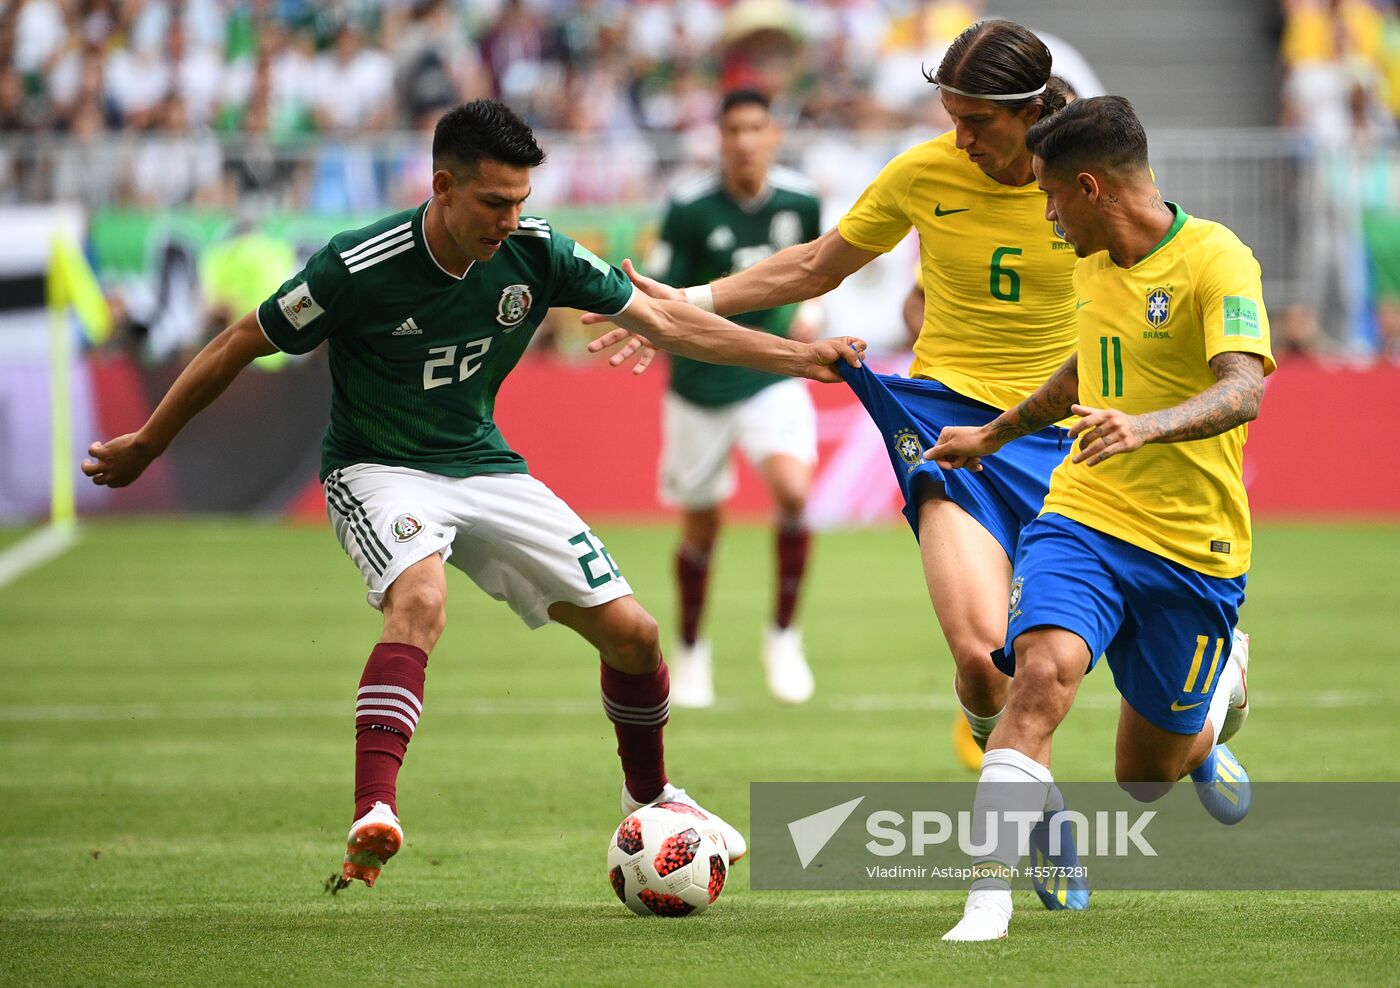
(705, 235)
(1147, 335)
(417, 354)
(999, 303)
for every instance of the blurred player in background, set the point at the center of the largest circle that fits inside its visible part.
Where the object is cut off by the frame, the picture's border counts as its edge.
(1143, 547)
(724, 222)
(425, 313)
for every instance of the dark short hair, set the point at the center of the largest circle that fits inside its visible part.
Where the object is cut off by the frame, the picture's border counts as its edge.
(743, 97)
(483, 129)
(1102, 131)
(998, 58)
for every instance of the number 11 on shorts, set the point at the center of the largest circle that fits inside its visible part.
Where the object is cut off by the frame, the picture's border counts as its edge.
(1202, 641)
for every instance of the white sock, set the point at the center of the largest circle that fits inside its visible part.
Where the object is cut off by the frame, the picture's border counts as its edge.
(1010, 782)
(981, 726)
(999, 899)
(1220, 701)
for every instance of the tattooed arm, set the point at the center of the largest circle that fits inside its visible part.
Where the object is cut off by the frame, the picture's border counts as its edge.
(1231, 401)
(964, 446)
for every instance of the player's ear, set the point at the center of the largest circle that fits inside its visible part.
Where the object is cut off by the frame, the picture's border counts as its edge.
(1088, 185)
(443, 183)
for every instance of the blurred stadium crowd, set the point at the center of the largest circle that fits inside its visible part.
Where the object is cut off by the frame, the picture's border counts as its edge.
(252, 106)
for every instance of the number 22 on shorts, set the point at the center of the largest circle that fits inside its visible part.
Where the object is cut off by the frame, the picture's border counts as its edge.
(595, 548)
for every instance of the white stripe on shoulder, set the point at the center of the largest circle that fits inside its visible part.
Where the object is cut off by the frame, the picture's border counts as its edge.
(348, 255)
(690, 191)
(534, 222)
(372, 261)
(379, 248)
(523, 232)
(793, 181)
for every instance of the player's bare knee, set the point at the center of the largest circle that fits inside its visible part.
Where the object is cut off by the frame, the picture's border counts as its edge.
(791, 506)
(973, 658)
(1145, 791)
(633, 644)
(1040, 688)
(419, 609)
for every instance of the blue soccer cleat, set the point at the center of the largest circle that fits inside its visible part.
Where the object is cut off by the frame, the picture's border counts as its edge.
(1223, 786)
(1060, 880)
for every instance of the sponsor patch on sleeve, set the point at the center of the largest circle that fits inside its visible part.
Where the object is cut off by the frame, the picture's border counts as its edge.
(1242, 317)
(584, 254)
(299, 307)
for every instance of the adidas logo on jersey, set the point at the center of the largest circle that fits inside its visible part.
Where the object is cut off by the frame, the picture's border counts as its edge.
(407, 328)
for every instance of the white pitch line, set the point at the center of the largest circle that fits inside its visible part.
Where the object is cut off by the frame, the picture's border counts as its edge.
(581, 707)
(33, 551)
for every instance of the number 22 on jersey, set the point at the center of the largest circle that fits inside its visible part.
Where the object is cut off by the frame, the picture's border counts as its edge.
(442, 358)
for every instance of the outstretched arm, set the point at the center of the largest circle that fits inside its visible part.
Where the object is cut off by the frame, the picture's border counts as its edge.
(700, 335)
(965, 445)
(120, 461)
(793, 274)
(1232, 400)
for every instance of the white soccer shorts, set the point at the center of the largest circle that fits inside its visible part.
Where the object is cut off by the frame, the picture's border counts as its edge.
(697, 441)
(510, 533)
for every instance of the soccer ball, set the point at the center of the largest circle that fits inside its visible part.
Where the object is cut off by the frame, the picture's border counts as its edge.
(667, 859)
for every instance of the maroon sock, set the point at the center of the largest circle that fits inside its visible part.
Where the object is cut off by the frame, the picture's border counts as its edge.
(794, 541)
(638, 706)
(387, 708)
(692, 576)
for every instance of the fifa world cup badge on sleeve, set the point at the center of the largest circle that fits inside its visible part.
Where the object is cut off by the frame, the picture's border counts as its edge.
(299, 307)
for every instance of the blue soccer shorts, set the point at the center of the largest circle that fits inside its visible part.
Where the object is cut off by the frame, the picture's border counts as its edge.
(1164, 628)
(1009, 490)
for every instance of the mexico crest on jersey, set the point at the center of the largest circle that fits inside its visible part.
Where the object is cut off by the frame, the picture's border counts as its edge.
(785, 229)
(1159, 305)
(405, 527)
(909, 447)
(514, 305)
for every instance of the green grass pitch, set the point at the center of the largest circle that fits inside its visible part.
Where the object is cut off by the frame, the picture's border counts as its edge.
(177, 754)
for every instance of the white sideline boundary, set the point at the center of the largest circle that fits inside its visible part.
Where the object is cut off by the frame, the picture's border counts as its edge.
(581, 707)
(34, 550)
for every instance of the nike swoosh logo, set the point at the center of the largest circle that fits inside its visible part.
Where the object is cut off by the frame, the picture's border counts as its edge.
(1080, 305)
(938, 210)
(1178, 708)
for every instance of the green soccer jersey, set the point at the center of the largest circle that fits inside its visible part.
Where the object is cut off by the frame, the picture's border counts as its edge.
(706, 235)
(417, 354)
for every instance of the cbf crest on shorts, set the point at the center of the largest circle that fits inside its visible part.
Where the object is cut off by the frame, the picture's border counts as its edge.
(1015, 603)
(1159, 302)
(909, 447)
(514, 305)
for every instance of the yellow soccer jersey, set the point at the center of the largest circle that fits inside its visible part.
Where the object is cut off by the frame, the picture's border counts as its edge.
(1147, 335)
(999, 309)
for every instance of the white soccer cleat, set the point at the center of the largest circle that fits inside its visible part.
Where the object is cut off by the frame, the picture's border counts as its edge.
(1238, 711)
(785, 666)
(692, 676)
(733, 840)
(987, 916)
(374, 839)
